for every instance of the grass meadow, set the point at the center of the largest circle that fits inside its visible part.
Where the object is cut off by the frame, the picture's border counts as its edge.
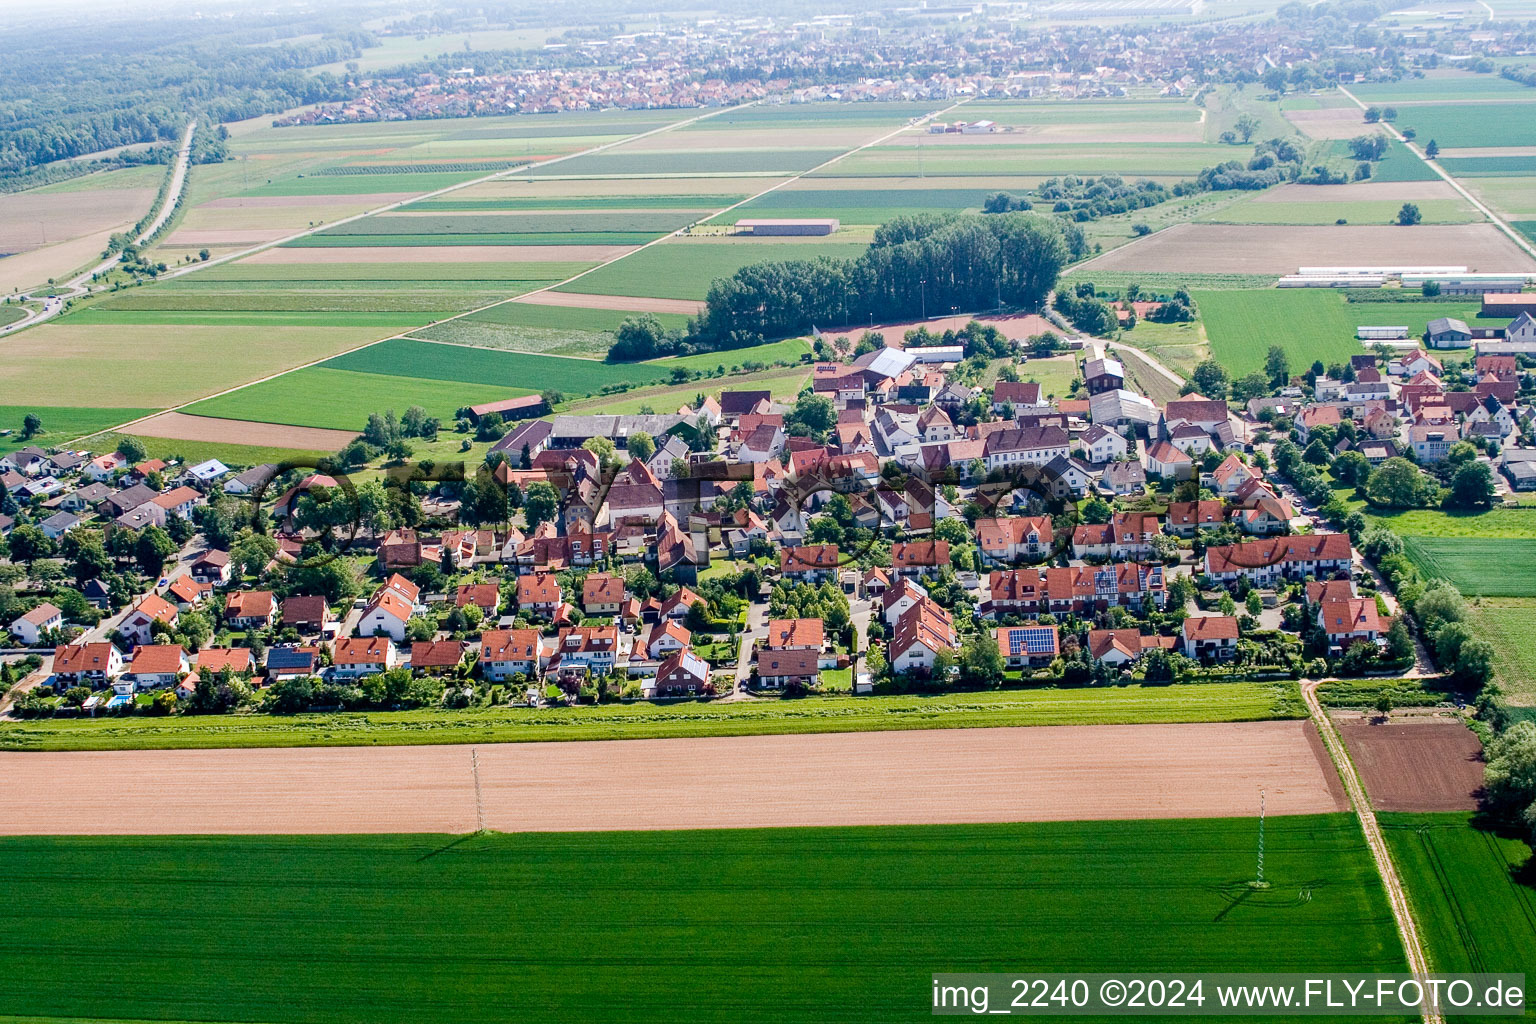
(1471, 889)
(1506, 622)
(745, 925)
(1203, 702)
(338, 399)
(1457, 125)
(1309, 324)
(1479, 567)
(60, 423)
(685, 269)
(461, 364)
(193, 452)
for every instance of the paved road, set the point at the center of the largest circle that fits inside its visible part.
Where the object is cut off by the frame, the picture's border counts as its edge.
(1397, 897)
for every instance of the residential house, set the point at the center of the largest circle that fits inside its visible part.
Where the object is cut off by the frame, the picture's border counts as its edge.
(1349, 620)
(1018, 395)
(157, 665)
(1210, 638)
(137, 625)
(1028, 646)
(1164, 460)
(1101, 445)
(485, 596)
(1187, 518)
(1432, 444)
(781, 669)
(211, 660)
(1017, 539)
(250, 609)
(505, 653)
(1028, 446)
(386, 614)
(211, 567)
(922, 631)
(814, 563)
(1102, 375)
(1314, 416)
(58, 524)
(188, 592)
(602, 594)
(681, 673)
(28, 629)
(307, 613)
(920, 557)
(665, 637)
(179, 501)
(580, 650)
(251, 480)
(1263, 562)
(677, 605)
(92, 665)
(1120, 647)
(1226, 478)
(356, 657)
(795, 635)
(1122, 478)
(285, 663)
(436, 657)
(539, 594)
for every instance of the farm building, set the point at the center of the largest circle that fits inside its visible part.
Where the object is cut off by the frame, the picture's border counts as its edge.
(1469, 284)
(509, 408)
(1447, 332)
(1365, 333)
(937, 353)
(1420, 272)
(1345, 281)
(788, 226)
(1508, 305)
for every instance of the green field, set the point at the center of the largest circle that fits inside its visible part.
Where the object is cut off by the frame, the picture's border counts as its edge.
(578, 203)
(60, 423)
(1506, 622)
(1479, 567)
(1471, 891)
(790, 350)
(1181, 160)
(1204, 702)
(748, 925)
(1490, 166)
(480, 366)
(1457, 125)
(341, 399)
(1451, 86)
(839, 115)
(193, 452)
(1401, 164)
(716, 161)
(1374, 211)
(859, 206)
(655, 223)
(684, 270)
(531, 314)
(358, 184)
(439, 276)
(1318, 324)
(554, 341)
(365, 241)
(393, 322)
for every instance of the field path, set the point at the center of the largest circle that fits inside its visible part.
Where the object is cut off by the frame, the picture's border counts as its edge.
(1514, 236)
(1397, 896)
(919, 776)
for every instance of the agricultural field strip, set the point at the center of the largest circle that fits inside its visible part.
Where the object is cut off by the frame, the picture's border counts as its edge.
(1478, 204)
(482, 309)
(1397, 897)
(124, 427)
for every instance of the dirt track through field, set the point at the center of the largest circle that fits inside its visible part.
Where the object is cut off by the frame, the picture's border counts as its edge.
(180, 426)
(939, 776)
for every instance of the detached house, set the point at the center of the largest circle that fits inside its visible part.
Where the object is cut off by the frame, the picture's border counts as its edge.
(30, 627)
(157, 665)
(505, 653)
(681, 673)
(1118, 647)
(136, 627)
(1029, 646)
(1187, 518)
(602, 594)
(539, 594)
(919, 558)
(779, 669)
(922, 631)
(1348, 621)
(1019, 539)
(87, 664)
(356, 657)
(814, 563)
(386, 614)
(1211, 638)
(250, 609)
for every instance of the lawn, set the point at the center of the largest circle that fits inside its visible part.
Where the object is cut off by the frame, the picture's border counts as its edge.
(1308, 323)
(60, 423)
(1507, 623)
(1473, 910)
(684, 269)
(1479, 567)
(832, 924)
(9, 314)
(1457, 125)
(341, 399)
(1204, 702)
(462, 364)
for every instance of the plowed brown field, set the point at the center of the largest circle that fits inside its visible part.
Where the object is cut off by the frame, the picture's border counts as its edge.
(940, 776)
(1415, 764)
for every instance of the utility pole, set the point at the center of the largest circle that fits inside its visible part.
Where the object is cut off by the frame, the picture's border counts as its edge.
(1259, 882)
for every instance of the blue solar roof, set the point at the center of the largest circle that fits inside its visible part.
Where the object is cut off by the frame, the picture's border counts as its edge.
(1031, 639)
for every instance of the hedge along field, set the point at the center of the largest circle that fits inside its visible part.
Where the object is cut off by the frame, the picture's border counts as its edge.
(1309, 324)
(340, 399)
(405, 357)
(1471, 906)
(406, 928)
(1479, 567)
(684, 269)
(1457, 125)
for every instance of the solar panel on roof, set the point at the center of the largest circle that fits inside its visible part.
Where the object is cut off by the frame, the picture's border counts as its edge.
(1015, 642)
(1040, 641)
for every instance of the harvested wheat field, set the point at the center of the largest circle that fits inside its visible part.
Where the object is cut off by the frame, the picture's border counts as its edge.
(446, 254)
(1415, 763)
(1267, 249)
(638, 304)
(920, 777)
(367, 200)
(1383, 191)
(32, 220)
(1330, 122)
(180, 426)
